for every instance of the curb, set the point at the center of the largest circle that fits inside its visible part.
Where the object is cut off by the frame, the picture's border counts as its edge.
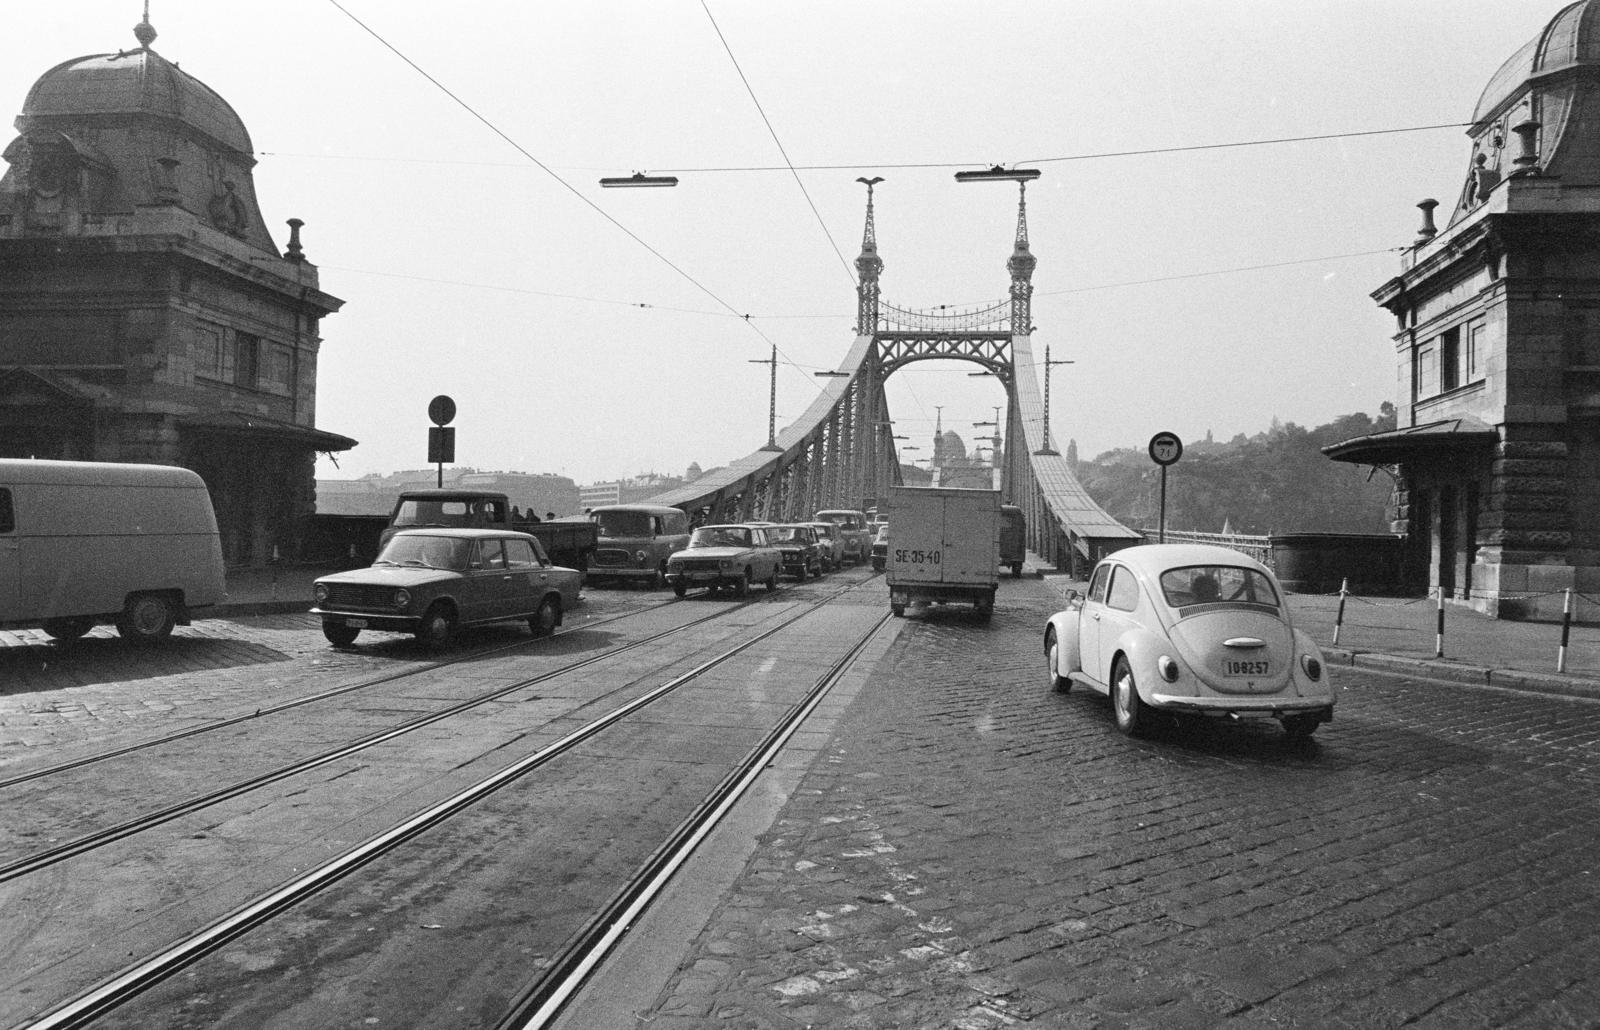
(1565, 685)
(229, 611)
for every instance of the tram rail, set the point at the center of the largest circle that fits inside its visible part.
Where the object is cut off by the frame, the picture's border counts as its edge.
(140, 977)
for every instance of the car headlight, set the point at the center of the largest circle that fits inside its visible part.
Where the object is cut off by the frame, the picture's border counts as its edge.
(1312, 667)
(1168, 668)
(402, 598)
(725, 563)
(320, 592)
(641, 557)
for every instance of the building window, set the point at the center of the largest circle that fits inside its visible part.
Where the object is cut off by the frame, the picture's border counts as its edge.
(208, 353)
(247, 360)
(277, 374)
(1477, 340)
(1450, 359)
(1425, 371)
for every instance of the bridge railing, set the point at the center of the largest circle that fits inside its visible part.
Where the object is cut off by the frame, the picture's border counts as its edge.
(1257, 547)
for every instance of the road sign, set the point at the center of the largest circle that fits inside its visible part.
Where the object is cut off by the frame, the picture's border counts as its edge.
(441, 410)
(1165, 448)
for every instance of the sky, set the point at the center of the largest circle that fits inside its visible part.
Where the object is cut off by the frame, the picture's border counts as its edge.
(445, 159)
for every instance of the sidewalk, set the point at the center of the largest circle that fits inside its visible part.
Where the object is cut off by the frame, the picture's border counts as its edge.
(268, 591)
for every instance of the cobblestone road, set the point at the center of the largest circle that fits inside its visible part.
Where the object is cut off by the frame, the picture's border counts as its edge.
(974, 851)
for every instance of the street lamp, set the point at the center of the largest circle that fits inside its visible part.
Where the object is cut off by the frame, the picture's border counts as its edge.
(998, 173)
(832, 375)
(772, 400)
(637, 180)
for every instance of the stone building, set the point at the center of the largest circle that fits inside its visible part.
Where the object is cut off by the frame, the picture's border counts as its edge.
(1497, 452)
(146, 314)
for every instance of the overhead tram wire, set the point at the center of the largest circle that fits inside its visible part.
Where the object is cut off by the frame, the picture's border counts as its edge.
(602, 212)
(849, 273)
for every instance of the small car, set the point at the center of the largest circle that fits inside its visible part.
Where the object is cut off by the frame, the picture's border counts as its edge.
(880, 547)
(798, 549)
(732, 556)
(432, 582)
(852, 528)
(831, 543)
(1189, 630)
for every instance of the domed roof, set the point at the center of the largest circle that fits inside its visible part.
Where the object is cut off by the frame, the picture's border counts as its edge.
(1571, 38)
(135, 82)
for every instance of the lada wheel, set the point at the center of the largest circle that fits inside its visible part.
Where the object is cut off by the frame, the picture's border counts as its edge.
(147, 618)
(659, 580)
(742, 587)
(546, 619)
(1130, 711)
(772, 580)
(340, 635)
(680, 588)
(68, 629)
(437, 628)
(1052, 651)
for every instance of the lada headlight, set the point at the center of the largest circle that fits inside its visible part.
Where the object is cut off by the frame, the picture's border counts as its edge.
(320, 592)
(725, 563)
(641, 557)
(402, 598)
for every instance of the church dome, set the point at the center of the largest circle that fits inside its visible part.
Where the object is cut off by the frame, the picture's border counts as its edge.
(1570, 40)
(135, 83)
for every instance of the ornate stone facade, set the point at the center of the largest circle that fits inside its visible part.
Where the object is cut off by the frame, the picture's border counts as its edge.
(146, 314)
(1498, 344)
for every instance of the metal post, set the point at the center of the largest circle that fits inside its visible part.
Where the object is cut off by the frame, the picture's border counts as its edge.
(1566, 629)
(1161, 529)
(1338, 620)
(1438, 633)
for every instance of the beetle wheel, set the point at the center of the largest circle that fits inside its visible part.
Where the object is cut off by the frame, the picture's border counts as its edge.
(1299, 728)
(1132, 719)
(547, 618)
(437, 628)
(1052, 649)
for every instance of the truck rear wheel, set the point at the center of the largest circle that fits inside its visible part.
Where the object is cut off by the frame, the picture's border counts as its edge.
(147, 618)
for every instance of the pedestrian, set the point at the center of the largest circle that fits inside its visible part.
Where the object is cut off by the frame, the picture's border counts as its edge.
(516, 514)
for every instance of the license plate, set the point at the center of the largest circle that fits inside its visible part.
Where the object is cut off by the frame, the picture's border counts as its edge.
(356, 623)
(1232, 667)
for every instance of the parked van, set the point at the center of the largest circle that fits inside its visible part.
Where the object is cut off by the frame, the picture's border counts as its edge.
(1013, 538)
(852, 530)
(635, 542)
(88, 542)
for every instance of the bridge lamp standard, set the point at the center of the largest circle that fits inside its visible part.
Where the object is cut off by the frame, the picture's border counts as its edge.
(997, 173)
(772, 400)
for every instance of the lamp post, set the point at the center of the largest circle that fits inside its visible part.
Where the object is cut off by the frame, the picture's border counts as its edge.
(1049, 446)
(997, 173)
(772, 400)
(638, 180)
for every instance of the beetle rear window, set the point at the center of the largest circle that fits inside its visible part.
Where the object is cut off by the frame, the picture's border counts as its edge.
(1217, 584)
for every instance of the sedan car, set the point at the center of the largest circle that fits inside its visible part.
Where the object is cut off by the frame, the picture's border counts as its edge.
(431, 582)
(1189, 630)
(797, 548)
(831, 543)
(729, 556)
(880, 547)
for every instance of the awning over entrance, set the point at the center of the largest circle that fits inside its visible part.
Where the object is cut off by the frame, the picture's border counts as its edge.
(240, 424)
(1413, 443)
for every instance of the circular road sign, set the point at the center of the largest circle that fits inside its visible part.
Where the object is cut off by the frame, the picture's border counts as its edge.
(1165, 448)
(441, 410)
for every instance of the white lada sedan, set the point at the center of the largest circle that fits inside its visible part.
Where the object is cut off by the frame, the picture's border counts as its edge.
(1189, 630)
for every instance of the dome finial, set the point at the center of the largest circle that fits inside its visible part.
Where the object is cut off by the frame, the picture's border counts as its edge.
(144, 32)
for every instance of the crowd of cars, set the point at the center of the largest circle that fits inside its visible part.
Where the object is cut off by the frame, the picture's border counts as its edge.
(1169, 632)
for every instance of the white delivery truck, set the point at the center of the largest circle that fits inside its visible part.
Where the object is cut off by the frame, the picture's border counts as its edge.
(85, 542)
(944, 545)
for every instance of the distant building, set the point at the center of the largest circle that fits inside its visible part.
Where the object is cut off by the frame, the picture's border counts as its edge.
(631, 491)
(1497, 451)
(146, 314)
(375, 494)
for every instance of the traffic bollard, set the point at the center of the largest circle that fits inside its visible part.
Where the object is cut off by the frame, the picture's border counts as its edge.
(1566, 630)
(1338, 620)
(1438, 633)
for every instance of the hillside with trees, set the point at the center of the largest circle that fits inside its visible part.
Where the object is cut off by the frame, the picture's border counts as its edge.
(1277, 481)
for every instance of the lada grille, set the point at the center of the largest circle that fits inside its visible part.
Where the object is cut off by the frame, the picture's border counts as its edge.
(613, 556)
(701, 564)
(363, 596)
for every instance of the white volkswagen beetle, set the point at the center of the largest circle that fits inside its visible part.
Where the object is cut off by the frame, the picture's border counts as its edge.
(1189, 629)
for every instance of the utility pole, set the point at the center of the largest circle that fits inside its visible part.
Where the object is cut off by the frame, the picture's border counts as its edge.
(1049, 445)
(772, 399)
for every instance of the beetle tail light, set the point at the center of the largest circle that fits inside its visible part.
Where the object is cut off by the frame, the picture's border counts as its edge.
(1312, 667)
(1168, 668)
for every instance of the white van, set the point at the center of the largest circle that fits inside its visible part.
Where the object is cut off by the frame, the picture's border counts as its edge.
(88, 542)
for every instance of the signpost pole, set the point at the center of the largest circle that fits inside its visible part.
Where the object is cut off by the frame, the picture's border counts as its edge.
(1164, 449)
(1161, 527)
(441, 438)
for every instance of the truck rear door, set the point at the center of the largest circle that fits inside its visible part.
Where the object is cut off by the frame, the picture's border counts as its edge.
(970, 541)
(10, 559)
